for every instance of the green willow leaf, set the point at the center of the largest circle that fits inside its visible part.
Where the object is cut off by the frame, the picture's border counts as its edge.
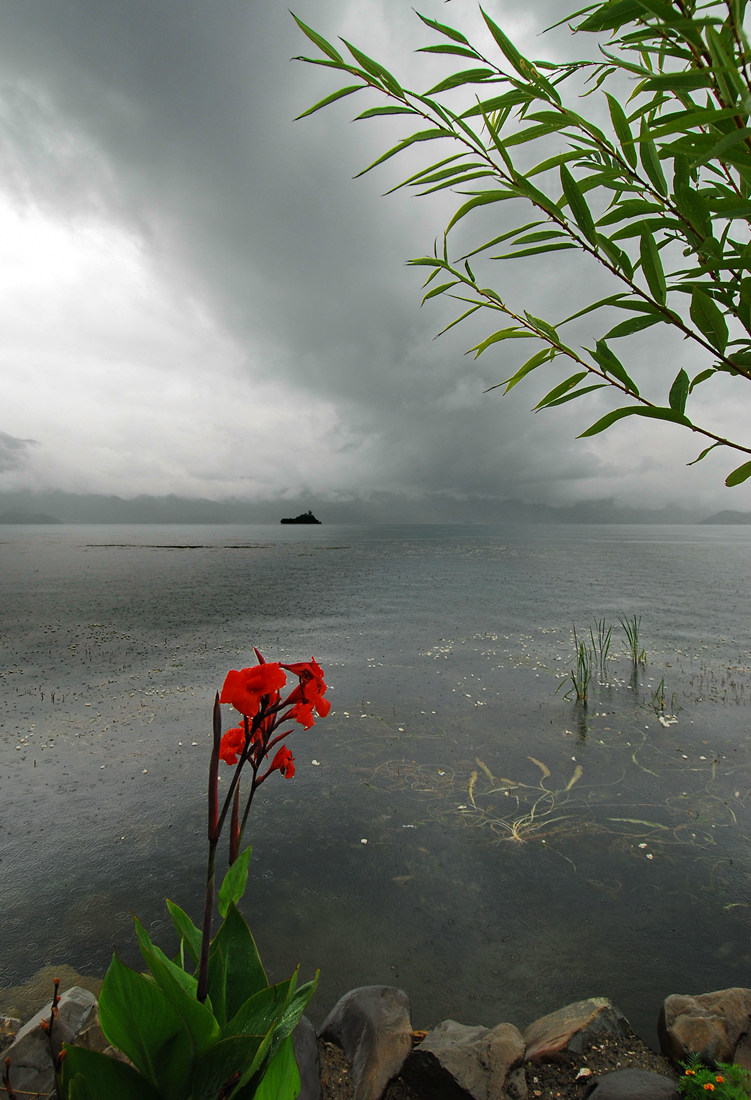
(577, 393)
(479, 200)
(708, 319)
(421, 135)
(651, 266)
(679, 392)
(578, 205)
(502, 334)
(632, 325)
(377, 112)
(456, 51)
(612, 16)
(442, 28)
(468, 76)
(650, 160)
(652, 412)
(703, 454)
(622, 129)
(331, 99)
(611, 364)
(375, 69)
(318, 40)
(739, 475)
(546, 355)
(560, 390)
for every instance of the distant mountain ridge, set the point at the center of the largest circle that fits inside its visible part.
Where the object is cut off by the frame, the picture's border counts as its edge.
(60, 507)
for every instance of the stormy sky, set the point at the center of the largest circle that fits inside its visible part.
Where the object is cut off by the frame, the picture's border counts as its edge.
(199, 299)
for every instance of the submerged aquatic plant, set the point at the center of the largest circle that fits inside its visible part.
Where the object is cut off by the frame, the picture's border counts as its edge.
(536, 808)
(600, 639)
(631, 629)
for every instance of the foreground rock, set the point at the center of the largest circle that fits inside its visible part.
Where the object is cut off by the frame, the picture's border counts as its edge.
(716, 1026)
(372, 1025)
(586, 1049)
(456, 1061)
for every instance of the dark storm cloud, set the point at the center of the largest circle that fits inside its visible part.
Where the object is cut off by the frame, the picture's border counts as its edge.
(14, 452)
(175, 120)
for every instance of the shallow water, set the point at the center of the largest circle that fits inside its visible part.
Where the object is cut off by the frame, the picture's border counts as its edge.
(522, 851)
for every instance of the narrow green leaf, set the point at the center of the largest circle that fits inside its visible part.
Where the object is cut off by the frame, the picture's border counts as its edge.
(622, 129)
(679, 392)
(533, 251)
(456, 51)
(578, 205)
(652, 413)
(502, 334)
(186, 929)
(560, 390)
(577, 393)
(703, 454)
(479, 200)
(739, 475)
(544, 327)
(632, 325)
(611, 16)
(375, 69)
(611, 364)
(546, 355)
(708, 319)
(650, 160)
(442, 28)
(331, 99)
(323, 45)
(651, 266)
(438, 290)
(391, 109)
(456, 80)
(421, 135)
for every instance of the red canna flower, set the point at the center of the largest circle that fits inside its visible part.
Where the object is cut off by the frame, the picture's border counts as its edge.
(245, 688)
(233, 743)
(310, 691)
(720, 1079)
(283, 762)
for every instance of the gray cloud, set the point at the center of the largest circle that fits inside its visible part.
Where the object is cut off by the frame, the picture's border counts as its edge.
(247, 323)
(14, 452)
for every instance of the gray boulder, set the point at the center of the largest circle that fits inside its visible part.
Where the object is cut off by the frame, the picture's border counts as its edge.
(715, 1026)
(632, 1084)
(308, 1060)
(571, 1028)
(373, 1027)
(458, 1062)
(31, 1071)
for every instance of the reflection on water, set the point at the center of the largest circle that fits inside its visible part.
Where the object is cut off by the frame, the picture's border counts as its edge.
(521, 851)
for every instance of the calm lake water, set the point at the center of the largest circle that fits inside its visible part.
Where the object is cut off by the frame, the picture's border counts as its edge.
(456, 826)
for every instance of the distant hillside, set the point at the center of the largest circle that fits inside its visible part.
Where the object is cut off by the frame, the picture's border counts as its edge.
(729, 517)
(59, 507)
(19, 515)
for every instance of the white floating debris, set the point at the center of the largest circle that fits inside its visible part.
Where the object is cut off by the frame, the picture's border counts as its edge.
(411, 826)
(364, 840)
(315, 763)
(667, 720)
(194, 742)
(650, 856)
(642, 846)
(145, 771)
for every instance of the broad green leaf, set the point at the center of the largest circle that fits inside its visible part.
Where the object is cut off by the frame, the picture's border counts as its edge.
(137, 1018)
(708, 319)
(578, 205)
(235, 969)
(190, 935)
(262, 1011)
(235, 881)
(229, 1062)
(622, 129)
(331, 99)
(281, 1079)
(91, 1075)
(679, 392)
(651, 266)
(560, 389)
(739, 475)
